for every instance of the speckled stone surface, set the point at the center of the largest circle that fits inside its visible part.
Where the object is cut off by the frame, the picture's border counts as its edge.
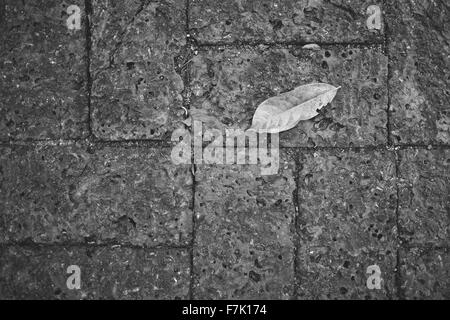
(244, 232)
(73, 194)
(229, 84)
(43, 76)
(136, 92)
(426, 274)
(282, 21)
(424, 188)
(106, 273)
(419, 45)
(347, 222)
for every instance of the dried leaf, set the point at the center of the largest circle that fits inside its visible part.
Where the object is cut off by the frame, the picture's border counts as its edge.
(312, 46)
(285, 111)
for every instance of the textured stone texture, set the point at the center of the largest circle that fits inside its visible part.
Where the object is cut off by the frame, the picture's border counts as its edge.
(426, 274)
(136, 90)
(106, 273)
(244, 232)
(229, 84)
(347, 223)
(424, 185)
(66, 194)
(42, 71)
(282, 20)
(419, 46)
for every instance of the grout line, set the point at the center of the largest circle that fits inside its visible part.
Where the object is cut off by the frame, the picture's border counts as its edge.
(286, 43)
(86, 245)
(389, 75)
(187, 105)
(170, 144)
(426, 246)
(2, 12)
(89, 141)
(187, 247)
(193, 236)
(296, 201)
(187, 18)
(135, 143)
(398, 281)
(398, 271)
(88, 13)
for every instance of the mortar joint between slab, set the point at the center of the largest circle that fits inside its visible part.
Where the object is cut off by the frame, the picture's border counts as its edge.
(389, 75)
(193, 235)
(190, 47)
(296, 201)
(187, 17)
(95, 142)
(88, 13)
(398, 272)
(256, 43)
(85, 245)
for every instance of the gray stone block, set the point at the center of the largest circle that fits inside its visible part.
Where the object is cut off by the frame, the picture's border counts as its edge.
(43, 71)
(127, 195)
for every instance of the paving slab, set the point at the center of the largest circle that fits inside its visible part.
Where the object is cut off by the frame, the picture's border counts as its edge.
(228, 84)
(43, 72)
(106, 273)
(347, 223)
(74, 194)
(426, 274)
(137, 92)
(424, 189)
(419, 46)
(244, 232)
(231, 21)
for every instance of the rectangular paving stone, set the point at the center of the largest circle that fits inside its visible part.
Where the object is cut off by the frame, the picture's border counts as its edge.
(347, 223)
(419, 56)
(426, 274)
(136, 47)
(282, 20)
(106, 273)
(244, 232)
(43, 78)
(424, 188)
(229, 84)
(74, 193)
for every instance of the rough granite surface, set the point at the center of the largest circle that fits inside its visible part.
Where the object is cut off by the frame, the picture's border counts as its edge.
(231, 21)
(106, 273)
(244, 240)
(136, 90)
(43, 81)
(426, 274)
(419, 45)
(424, 190)
(122, 195)
(347, 222)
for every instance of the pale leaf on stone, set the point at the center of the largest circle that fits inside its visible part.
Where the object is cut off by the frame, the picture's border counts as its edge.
(283, 112)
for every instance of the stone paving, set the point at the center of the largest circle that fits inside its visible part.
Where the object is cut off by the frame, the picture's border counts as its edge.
(86, 175)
